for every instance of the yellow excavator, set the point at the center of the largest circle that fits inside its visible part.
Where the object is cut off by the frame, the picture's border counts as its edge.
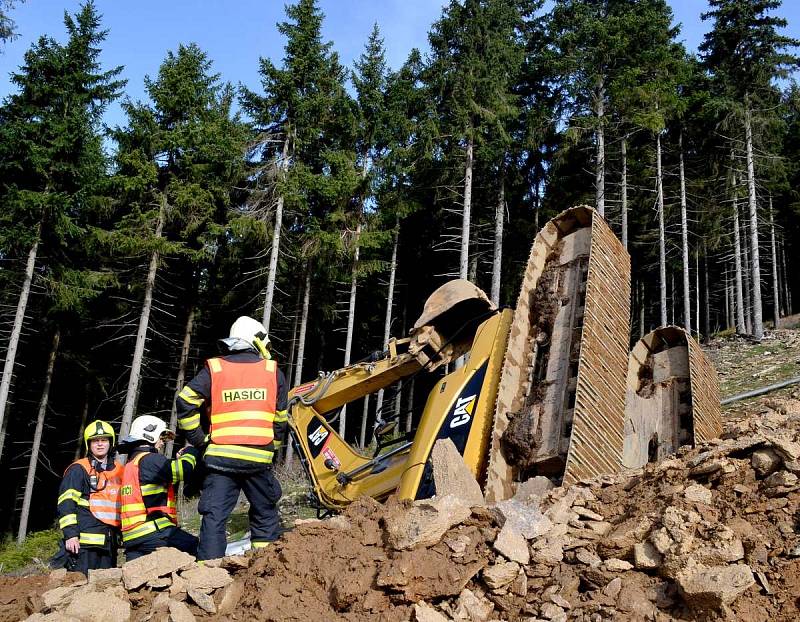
(548, 388)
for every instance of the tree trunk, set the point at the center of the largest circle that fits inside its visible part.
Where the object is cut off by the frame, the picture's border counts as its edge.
(499, 217)
(624, 153)
(728, 299)
(642, 305)
(84, 417)
(301, 342)
(672, 297)
(662, 248)
(293, 344)
(13, 342)
(748, 299)
(351, 318)
(463, 264)
(179, 381)
(758, 321)
(776, 296)
(787, 291)
(741, 328)
(37, 441)
(276, 240)
(132, 395)
(600, 165)
(410, 413)
(697, 294)
(707, 299)
(687, 294)
(387, 322)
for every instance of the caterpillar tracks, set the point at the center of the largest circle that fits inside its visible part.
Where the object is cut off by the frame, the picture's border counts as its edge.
(672, 397)
(546, 389)
(561, 401)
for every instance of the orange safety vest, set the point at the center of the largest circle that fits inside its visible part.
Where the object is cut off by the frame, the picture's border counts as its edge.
(134, 512)
(243, 402)
(104, 497)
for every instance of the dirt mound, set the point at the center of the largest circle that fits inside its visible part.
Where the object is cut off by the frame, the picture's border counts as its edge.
(707, 534)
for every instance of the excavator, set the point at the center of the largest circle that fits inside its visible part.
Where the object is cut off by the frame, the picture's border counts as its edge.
(548, 388)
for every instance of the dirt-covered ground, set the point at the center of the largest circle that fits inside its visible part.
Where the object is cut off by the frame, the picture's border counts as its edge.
(709, 534)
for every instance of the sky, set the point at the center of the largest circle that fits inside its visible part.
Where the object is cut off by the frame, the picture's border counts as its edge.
(235, 33)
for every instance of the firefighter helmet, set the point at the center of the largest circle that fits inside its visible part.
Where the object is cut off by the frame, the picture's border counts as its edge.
(247, 333)
(149, 429)
(98, 429)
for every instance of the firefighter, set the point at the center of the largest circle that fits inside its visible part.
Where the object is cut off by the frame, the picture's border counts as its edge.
(149, 513)
(89, 504)
(243, 395)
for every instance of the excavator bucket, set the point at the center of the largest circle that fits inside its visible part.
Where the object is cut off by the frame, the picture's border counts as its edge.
(672, 397)
(561, 401)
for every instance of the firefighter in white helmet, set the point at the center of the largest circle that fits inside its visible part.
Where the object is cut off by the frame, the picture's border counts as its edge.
(149, 513)
(240, 396)
(88, 503)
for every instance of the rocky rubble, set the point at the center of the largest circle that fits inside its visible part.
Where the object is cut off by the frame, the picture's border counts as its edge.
(167, 585)
(708, 534)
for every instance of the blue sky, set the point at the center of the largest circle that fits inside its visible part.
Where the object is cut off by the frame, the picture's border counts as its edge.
(236, 33)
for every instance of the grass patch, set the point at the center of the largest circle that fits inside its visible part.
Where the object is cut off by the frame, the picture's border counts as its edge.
(36, 550)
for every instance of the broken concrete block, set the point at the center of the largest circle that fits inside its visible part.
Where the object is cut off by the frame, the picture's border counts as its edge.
(202, 600)
(781, 478)
(698, 494)
(179, 587)
(159, 583)
(788, 449)
(535, 487)
(58, 597)
(102, 579)
(235, 562)
(585, 556)
(765, 461)
(161, 602)
(206, 579)
(230, 598)
(587, 513)
(157, 564)
(500, 575)
(617, 565)
(551, 611)
(472, 607)
(512, 545)
(710, 588)
(99, 607)
(525, 517)
(452, 476)
(613, 588)
(426, 522)
(180, 612)
(423, 612)
(646, 556)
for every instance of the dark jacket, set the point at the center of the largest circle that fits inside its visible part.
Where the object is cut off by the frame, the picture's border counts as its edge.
(74, 517)
(193, 404)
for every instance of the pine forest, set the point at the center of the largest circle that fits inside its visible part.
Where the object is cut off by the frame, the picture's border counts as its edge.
(331, 200)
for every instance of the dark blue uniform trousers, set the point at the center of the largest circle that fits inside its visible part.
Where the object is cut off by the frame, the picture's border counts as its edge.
(218, 498)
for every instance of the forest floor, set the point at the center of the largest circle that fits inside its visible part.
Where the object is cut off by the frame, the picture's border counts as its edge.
(704, 510)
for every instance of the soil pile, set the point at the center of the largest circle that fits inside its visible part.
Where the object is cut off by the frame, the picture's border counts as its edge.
(708, 534)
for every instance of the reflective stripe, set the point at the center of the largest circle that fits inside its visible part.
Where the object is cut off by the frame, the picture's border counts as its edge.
(240, 453)
(251, 415)
(152, 489)
(69, 495)
(96, 539)
(271, 365)
(189, 423)
(67, 520)
(84, 503)
(146, 528)
(106, 516)
(177, 471)
(191, 396)
(189, 458)
(215, 365)
(281, 416)
(133, 507)
(243, 430)
(104, 503)
(260, 545)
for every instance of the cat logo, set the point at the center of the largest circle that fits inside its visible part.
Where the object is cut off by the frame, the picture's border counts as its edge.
(317, 436)
(463, 411)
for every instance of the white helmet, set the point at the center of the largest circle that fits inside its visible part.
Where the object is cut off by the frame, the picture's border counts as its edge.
(247, 333)
(149, 429)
